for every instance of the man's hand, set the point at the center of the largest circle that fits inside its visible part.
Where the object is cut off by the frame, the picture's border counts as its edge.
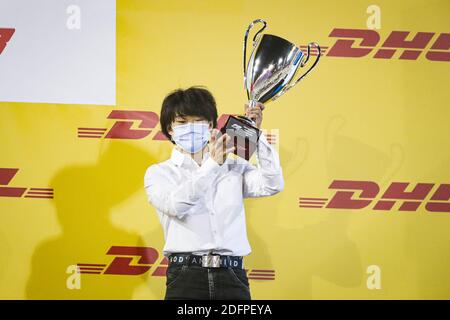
(218, 146)
(255, 113)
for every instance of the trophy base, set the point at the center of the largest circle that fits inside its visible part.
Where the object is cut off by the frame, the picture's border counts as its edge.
(244, 135)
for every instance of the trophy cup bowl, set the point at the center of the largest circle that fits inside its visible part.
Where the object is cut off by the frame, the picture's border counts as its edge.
(268, 74)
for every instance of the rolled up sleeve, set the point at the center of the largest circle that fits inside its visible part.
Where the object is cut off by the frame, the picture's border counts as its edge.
(178, 200)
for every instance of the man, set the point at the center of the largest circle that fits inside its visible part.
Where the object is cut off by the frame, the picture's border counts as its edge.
(198, 194)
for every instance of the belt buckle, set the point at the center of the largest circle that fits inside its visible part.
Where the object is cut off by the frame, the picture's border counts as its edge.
(210, 261)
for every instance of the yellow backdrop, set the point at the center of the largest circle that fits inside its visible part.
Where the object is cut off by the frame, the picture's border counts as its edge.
(354, 118)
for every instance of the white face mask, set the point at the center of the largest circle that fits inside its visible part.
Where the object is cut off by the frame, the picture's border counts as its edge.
(192, 136)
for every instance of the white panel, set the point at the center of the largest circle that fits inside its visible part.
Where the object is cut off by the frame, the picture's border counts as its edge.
(46, 61)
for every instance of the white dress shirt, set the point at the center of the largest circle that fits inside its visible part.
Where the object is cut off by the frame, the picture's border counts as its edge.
(201, 208)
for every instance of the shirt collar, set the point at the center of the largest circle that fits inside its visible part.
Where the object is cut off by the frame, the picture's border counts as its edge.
(179, 158)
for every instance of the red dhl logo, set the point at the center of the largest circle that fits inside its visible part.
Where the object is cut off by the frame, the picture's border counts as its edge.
(395, 192)
(147, 258)
(357, 43)
(5, 35)
(145, 123)
(7, 174)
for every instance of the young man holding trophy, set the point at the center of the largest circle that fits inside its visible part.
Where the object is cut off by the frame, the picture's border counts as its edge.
(198, 194)
(199, 191)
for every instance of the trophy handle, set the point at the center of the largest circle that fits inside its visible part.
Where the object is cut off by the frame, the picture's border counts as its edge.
(254, 42)
(302, 63)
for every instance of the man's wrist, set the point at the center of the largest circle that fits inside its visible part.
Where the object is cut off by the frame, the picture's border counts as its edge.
(211, 164)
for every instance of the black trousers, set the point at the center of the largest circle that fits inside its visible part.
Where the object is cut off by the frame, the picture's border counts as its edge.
(192, 282)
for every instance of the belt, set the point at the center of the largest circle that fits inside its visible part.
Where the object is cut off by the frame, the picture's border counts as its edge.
(207, 260)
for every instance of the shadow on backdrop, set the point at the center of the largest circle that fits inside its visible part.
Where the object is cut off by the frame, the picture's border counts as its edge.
(84, 198)
(323, 248)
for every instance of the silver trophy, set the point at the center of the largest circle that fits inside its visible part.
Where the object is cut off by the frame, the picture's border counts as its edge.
(268, 75)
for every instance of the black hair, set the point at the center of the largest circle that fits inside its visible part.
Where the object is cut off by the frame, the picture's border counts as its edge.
(194, 101)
